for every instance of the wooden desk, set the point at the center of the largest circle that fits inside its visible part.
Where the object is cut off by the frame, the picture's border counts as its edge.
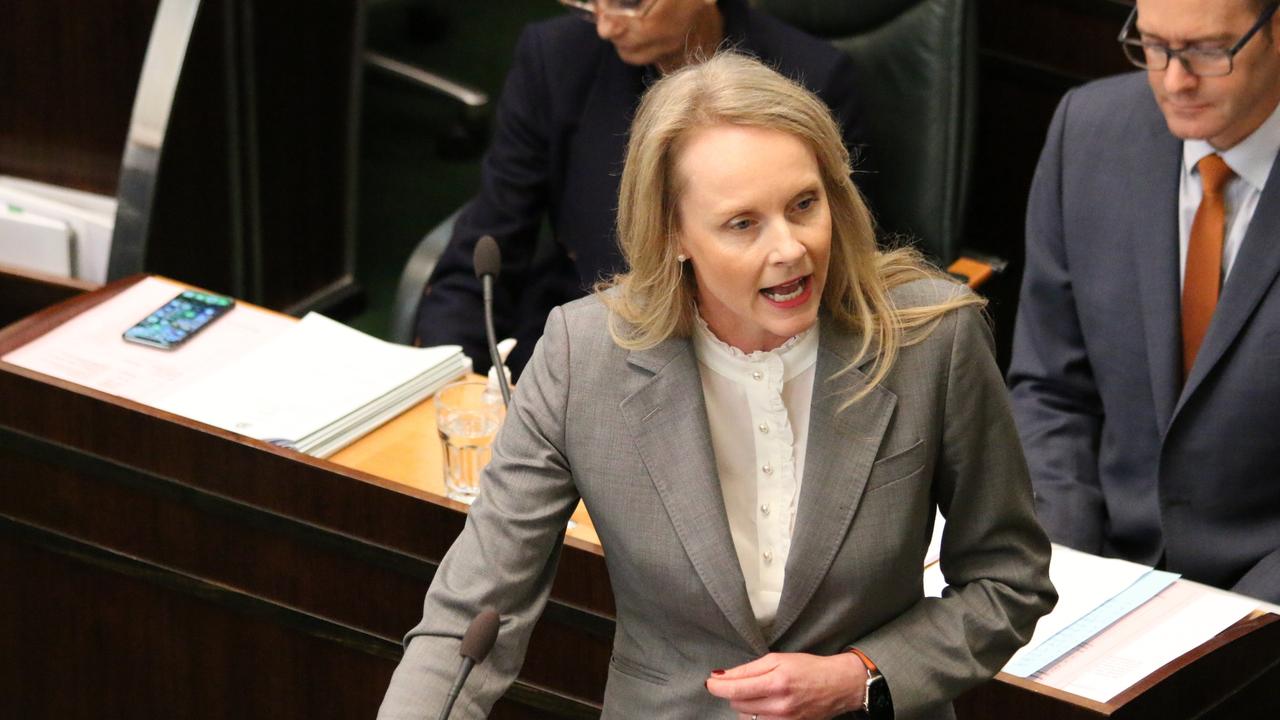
(1234, 676)
(154, 567)
(408, 451)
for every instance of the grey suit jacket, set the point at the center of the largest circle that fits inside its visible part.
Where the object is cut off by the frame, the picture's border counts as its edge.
(627, 431)
(1125, 459)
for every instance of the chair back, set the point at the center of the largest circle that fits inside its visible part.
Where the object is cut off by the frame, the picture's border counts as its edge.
(413, 279)
(916, 60)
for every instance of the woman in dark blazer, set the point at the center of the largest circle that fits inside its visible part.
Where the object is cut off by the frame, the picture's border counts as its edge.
(557, 154)
(762, 416)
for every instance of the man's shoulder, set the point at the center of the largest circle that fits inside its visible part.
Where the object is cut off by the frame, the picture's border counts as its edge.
(1120, 103)
(1116, 87)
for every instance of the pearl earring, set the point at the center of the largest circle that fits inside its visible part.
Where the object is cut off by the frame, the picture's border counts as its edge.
(681, 258)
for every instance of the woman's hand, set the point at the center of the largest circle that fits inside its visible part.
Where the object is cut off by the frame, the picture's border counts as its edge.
(792, 686)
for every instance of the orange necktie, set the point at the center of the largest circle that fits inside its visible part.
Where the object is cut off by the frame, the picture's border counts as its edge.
(1203, 279)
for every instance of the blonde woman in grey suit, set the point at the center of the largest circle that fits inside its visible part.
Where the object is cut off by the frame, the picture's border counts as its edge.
(761, 416)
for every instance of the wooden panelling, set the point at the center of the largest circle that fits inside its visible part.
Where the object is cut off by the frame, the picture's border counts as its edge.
(89, 634)
(24, 292)
(68, 73)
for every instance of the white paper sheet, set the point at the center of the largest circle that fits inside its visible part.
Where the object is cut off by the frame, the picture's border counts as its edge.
(1084, 582)
(88, 350)
(1168, 626)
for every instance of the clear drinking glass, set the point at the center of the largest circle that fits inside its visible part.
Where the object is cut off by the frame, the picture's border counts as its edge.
(467, 418)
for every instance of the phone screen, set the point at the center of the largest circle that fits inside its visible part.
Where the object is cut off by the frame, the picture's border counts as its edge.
(179, 319)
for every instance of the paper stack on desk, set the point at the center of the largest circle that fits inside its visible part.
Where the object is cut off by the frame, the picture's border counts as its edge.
(1093, 593)
(318, 387)
(1115, 622)
(314, 385)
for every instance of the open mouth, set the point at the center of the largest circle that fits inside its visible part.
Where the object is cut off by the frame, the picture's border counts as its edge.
(791, 293)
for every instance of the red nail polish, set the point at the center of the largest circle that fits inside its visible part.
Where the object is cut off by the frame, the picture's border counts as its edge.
(717, 672)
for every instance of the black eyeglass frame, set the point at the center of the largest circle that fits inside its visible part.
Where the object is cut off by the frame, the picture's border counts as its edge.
(1180, 53)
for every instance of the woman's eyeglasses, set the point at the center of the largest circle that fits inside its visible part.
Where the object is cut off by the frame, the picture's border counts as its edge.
(589, 10)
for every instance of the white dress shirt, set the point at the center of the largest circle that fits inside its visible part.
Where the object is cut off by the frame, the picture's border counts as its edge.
(758, 412)
(1251, 160)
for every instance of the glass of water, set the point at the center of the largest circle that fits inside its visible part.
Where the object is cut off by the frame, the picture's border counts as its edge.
(467, 417)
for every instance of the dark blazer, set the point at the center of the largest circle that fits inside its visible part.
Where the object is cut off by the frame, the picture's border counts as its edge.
(1125, 459)
(557, 153)
(627, 432)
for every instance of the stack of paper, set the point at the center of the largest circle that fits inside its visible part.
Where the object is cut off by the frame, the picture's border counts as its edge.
(314, 385)
(1111, 626)
(1093, 593)
(1169, 625)
(318, 387)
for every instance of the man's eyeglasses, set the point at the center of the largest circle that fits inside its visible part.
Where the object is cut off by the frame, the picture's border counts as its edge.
(589, 10)
(1201, 62)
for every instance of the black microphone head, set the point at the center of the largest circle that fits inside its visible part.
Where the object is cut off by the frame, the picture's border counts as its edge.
(487, 257)
(480, 635)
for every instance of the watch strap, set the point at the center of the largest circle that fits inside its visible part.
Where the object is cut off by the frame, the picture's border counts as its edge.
(871, 667)
(877, 704)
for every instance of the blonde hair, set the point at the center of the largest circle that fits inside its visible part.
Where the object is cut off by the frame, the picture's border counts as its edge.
(655, 299)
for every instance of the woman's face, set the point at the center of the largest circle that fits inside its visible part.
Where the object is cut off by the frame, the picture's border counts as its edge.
(664, 33)
(755, 224)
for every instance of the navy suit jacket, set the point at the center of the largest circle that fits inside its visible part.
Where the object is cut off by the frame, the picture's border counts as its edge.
(1126, 460)
(557, 153)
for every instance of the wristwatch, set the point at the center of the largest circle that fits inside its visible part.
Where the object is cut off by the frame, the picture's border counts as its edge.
(877, 704)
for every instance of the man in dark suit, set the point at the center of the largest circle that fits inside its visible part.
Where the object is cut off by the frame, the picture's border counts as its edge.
(558, 149)
(1146, 368)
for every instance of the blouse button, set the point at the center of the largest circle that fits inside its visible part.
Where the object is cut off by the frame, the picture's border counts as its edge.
(764, 509)
(764, 428)
(768, 556)
(757, 375)
(767, 469)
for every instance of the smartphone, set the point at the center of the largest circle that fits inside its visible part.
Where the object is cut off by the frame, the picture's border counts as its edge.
(178, 320)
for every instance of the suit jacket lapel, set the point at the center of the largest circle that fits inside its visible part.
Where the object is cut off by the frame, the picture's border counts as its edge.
(668, 419)
(1154, 238)
(842, 447)
(1252, 275)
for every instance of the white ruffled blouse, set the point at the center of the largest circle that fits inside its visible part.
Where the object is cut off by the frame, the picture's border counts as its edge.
(758, 411)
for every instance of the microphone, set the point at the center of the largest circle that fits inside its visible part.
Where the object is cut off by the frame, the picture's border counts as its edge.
(488, 262)
(476, 644)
